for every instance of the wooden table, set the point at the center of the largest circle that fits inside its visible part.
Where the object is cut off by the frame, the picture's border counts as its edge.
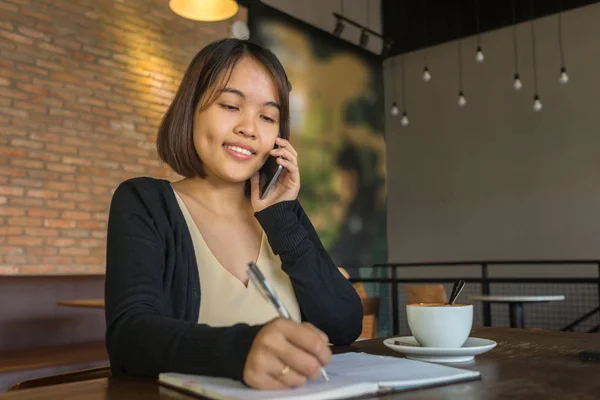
(526, 364)
(515, 305)
(89, 303)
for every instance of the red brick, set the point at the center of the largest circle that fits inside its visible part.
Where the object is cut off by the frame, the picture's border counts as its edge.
(93, 154)
(32, 33)
(68, 43)
(83, 56)
(43, 155)
(11, 250)
(27, 182)
(59, 223)
(76, 161)
(76, 233)
(91, 224)
(11, 73)
(16, 212)
(24, 222)
(49, 65)
(33, 70)
(61, 148)
(47, 101)
(75, 141)
(37, 232)
(16, 38)
(42, 212)
(69, 205)
(13, 93)
(46, 175)
(76, 215)
(93, 206)
(57, 260)
(9, 269)
(105, 113)
(19, 162)
(24, 241)
(71, 269)
(30, 106)
(8, 130)
(74, 251)
(11, 191)
(14, 112)
(28, 124)
(26, 202)
(99, 234)
(36, 15)
(52, 48)
(91, 243)
(60, 242)
(77, 196)
(8, 7)
(97, 86)
(27, 143)
(5, 82)
(4, 199)
(60, 186)
(42, 194)
(61, 168)
(45, 137)
(10, 231)
(89, 260)
(65, 77)
(36, 269)
(32, 88)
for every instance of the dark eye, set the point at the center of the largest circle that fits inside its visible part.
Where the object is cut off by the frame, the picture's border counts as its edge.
(267, 119)
(228, 107)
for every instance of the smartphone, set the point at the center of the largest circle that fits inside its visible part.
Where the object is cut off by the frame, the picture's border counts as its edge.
(271, 182)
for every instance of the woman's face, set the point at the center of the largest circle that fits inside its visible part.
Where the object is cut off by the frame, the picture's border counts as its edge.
(234, 135)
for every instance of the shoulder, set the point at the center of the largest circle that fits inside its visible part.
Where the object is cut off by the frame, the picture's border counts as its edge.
(141, 192)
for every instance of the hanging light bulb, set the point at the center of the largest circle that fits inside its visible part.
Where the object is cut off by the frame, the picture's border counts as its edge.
(395, 110)
(462, 100)
(205, 10)
(564, 78)
(426, 74)
(537, 104)
(517, 85)
(479, 57)
(404, 121)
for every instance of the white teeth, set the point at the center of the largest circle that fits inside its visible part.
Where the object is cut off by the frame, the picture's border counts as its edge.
(239, 150)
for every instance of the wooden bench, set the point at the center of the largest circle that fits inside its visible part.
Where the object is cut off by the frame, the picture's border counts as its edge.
(39, 338)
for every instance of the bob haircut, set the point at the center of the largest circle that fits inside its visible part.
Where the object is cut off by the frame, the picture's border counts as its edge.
(208, 73)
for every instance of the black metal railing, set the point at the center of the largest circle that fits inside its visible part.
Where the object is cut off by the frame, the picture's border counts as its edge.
(486, 283)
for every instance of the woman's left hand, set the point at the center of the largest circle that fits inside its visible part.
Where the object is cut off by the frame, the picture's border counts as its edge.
(287, 186)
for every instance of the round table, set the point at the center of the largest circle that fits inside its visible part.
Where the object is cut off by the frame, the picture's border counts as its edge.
(515, 305)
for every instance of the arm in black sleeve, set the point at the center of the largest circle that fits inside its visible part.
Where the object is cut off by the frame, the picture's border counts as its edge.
(142, 337)
(326, 298)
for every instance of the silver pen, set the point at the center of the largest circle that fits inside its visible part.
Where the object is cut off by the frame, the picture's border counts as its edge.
(267, 291)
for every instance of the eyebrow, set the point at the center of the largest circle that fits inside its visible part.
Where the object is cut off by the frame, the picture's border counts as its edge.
(243, 96)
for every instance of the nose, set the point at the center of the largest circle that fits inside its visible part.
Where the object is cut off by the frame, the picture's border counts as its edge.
(246, 127)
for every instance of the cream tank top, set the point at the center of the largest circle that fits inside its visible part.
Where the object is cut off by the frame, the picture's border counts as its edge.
(225, 300)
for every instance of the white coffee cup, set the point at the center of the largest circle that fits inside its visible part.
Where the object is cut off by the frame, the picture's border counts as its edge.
(440, 324)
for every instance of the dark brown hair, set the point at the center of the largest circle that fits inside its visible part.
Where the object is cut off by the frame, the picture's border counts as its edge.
(206, 75)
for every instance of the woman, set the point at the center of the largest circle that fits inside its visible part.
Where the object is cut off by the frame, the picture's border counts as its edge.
(177, 293)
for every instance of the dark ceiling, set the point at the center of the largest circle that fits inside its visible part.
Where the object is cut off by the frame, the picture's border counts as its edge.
(415, 24)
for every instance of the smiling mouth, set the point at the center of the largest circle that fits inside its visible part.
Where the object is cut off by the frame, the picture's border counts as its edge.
(238, 150)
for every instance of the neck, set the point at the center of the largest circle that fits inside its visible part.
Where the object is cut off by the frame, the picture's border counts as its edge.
(221, 198)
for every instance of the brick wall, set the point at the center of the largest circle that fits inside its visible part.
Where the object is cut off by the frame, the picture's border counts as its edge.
(83, 85)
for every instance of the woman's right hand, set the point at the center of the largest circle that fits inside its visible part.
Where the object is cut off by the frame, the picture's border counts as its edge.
(285, 354)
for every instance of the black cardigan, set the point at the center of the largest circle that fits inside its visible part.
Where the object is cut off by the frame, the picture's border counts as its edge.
(152, 289)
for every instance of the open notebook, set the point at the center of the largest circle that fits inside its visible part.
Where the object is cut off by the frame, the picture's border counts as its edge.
(351, 375)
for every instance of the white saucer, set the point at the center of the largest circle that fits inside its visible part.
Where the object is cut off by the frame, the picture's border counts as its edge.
(411, 349)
